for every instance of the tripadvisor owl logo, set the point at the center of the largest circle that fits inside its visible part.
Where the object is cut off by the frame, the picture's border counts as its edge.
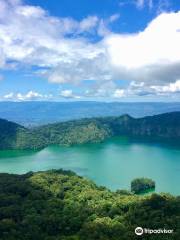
(139, 231)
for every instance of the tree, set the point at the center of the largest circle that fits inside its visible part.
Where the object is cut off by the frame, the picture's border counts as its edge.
(140, 185)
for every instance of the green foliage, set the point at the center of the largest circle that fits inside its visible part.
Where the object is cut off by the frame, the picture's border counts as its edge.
(161, 127)
(140, 185)
(59, 205)
(8, 131)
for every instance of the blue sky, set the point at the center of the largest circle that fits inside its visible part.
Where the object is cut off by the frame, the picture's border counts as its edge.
(105, 50)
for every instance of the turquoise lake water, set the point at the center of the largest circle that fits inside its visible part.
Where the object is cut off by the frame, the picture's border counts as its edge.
(113, 163)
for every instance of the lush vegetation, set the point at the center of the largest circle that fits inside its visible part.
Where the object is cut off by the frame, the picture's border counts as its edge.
(14, 136)
(8, 134)
(164, 127)
(140, 185)
(59, 205)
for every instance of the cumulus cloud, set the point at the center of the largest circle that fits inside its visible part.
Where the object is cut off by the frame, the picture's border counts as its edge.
(119, 93)
(28, 35)
(104, 25)
(68, 94)
(31, 95)
(152, 55)
(9, 96)
(62, 47)
(170, 88)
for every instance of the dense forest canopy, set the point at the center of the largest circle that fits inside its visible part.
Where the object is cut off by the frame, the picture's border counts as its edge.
(59, 205)
(163, 127)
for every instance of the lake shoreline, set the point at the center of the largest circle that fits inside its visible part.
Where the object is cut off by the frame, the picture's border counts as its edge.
(113, 163)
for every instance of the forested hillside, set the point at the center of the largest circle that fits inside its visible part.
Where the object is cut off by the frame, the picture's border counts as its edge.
(59, 205)
(14, 136)
(160, 127)
(9, 132)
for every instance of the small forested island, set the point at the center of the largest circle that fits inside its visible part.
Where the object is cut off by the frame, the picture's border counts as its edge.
(159, 127)
(59, 205)
(140, 185)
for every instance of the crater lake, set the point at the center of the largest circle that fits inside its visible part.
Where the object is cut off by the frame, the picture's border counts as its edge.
(113, 164)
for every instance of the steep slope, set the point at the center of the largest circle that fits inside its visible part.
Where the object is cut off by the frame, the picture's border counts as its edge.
(162, 127)
(9, 132)
(15, 136)
(75, 132)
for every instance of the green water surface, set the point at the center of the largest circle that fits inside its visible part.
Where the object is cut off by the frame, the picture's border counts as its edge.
(113, 163)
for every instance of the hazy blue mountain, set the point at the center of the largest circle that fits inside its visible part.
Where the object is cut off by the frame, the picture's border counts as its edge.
(39, 113)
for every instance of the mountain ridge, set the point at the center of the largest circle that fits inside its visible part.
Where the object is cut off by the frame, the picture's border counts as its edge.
(40, 113)
(164, 126)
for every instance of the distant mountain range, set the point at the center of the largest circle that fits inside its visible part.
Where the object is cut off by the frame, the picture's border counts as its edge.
(40, 113)
(162, 127)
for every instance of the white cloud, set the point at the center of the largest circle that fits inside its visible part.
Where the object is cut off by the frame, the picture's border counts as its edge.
(30, 36)
(104, 25)
(170, 88)
(119, 93)
(9, 96)
(68, 94)
(31, 95)
(151, 55)
(114, 17)
(157, 44)
(88, 23)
